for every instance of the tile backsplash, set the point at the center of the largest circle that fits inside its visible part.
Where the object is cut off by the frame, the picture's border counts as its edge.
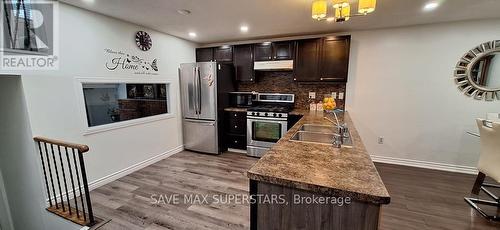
(282, 82)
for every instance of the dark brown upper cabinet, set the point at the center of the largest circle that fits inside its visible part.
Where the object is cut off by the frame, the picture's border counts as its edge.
(271, 51)
(204, 54)
(263, 51)
(283, 50)
(243, 63)
(223, 54)
(334, 63)
(306, 65)
(322, 59)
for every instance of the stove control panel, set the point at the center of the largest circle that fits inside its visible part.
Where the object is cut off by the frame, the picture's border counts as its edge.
(267, 114)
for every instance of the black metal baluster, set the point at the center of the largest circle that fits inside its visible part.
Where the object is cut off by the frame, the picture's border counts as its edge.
(79, 185)
(86, 188)
(72, 184)
(57, 175)
(64, 178)
(44, 172)
(50, 172)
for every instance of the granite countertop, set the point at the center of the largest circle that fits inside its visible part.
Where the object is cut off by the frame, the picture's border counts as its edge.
(322, 169)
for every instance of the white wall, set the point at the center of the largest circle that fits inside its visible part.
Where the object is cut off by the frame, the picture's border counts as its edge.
(5, 217)
(52, 97)
(401, 88)
(19, 164)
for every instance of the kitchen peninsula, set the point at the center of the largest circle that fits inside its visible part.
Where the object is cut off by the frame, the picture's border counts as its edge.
(317, 170)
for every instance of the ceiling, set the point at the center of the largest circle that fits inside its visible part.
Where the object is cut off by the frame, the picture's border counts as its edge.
(220, 20)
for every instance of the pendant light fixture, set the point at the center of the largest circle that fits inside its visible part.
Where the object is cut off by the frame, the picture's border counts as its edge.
(342, 9)
(319, 9)
(342, 14)
(366, 6)
(340, 3)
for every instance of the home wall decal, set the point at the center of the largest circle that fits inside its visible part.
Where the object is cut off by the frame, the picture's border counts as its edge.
(122, 61)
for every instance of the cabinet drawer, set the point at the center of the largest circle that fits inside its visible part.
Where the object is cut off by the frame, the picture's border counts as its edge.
(237, 126)
(237, 141)
(237, 122)
(237, 115)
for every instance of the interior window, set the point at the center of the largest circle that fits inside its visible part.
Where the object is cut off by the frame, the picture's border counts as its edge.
(107, 103)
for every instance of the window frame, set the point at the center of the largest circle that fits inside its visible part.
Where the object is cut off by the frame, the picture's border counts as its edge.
(89, 130)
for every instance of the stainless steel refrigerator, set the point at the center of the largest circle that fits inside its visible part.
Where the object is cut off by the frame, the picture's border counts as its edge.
(204, 95)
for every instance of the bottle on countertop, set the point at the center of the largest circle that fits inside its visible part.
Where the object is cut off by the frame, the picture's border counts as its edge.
(312, 106)
(319, 106)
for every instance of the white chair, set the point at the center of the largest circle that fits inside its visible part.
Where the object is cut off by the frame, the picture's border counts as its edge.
(488, 165)
(495, 117)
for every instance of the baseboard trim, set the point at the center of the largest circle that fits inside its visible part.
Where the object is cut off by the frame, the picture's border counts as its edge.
(425, 164)
(114, 176)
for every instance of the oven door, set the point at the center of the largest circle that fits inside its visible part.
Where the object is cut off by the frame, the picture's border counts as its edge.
(263, 132)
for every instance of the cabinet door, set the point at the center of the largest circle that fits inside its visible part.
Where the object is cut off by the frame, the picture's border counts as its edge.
(204, 54)
(237, 123)
(307, 60)
(243, 63)
(334, 59)
(223, 54)
(263, 51)
(283, 50)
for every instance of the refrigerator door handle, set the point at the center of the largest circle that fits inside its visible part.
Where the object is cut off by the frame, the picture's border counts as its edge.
(199, 89)
(195, 91)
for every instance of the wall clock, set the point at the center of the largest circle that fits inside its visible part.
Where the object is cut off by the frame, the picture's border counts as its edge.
(143, 40)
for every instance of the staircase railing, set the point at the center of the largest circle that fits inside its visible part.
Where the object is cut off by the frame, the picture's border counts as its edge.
(66, 180)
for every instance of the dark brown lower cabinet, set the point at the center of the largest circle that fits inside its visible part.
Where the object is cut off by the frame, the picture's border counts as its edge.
(236, 130)
(293, 119)
(299, 212)
(236, 141)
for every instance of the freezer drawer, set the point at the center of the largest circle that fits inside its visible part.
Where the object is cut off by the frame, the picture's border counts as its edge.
(200, 136)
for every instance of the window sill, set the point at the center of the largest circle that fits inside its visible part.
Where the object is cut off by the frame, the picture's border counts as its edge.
(124, 124)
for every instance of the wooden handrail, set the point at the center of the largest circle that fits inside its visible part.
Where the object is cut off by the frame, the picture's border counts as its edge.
(81, 148)
(65, 176)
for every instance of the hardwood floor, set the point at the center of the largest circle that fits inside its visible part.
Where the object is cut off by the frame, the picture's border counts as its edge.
(421, 198)
(429, 199)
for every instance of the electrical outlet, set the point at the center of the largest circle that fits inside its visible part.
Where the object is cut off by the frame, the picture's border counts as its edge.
(334, 95)
(381, 140)
(341, 95)
(312, 95)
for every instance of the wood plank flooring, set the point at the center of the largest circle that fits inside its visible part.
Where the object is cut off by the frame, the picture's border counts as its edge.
(421, 199)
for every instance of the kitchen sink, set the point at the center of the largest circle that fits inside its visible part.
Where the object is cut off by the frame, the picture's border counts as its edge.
(317, 128)
(319, 134)
(320, 138)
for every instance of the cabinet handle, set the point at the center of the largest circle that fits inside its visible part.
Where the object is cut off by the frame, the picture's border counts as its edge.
(235, 126)
(330, 78)
(270, 58)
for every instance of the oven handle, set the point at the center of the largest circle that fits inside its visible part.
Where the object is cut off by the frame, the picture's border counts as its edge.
(266, 118)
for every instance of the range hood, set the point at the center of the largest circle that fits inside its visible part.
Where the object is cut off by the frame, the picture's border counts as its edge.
(286, 65)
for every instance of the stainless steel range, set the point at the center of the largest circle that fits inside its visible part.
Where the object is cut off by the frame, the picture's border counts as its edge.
(267, 122)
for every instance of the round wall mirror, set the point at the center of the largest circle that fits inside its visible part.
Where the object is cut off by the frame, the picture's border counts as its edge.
(486, 71)
(477, 74)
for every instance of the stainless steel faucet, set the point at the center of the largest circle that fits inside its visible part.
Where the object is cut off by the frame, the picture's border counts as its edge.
(342, 131)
